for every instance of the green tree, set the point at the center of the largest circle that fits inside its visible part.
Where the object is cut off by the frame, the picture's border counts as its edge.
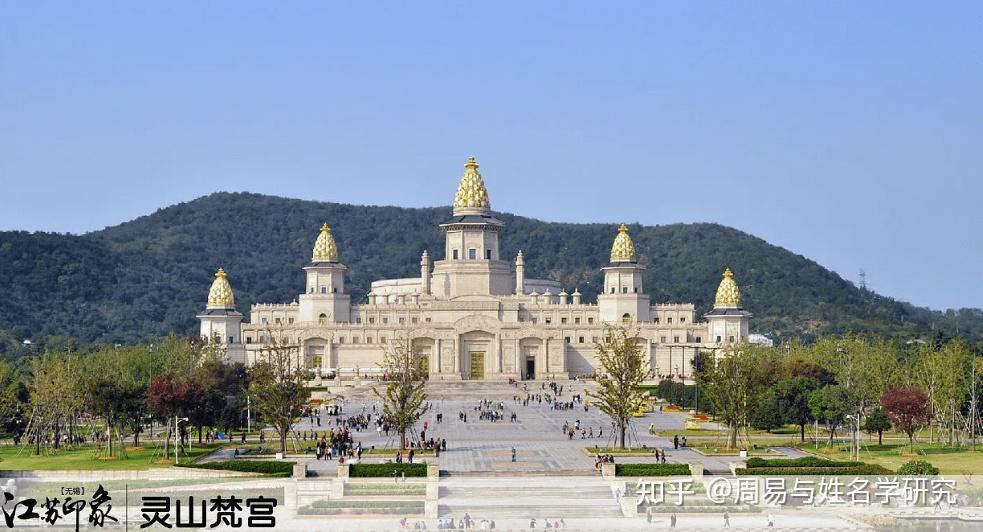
(830, 405)
(623, 367)
(277, 387)
(732, 378)
(877, 422)
(944, 374)
(793, 397)
(57, 398)
(404, 398)
(767, 413)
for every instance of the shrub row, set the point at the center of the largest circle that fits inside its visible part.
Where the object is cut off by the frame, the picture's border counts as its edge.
(386, 470)
(650, 470)
(866, 469)
(805, 461)
(266, 467)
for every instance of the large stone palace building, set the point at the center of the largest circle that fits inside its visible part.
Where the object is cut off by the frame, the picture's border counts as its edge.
(472, 314)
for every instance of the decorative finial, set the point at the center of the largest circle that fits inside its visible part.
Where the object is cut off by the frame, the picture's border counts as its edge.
(472, 196)
(623, 249)
(324, 247)
(728, 294)
(220, 294)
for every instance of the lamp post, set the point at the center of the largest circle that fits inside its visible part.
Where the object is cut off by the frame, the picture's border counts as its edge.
(177, 434)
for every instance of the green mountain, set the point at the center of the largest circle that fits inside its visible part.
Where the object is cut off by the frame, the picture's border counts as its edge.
(150, 276)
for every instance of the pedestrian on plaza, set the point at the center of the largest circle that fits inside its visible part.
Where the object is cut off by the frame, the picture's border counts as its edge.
(771, 521)
(675, 442)
(513, 454)
(684, 441)
(726, 519)
(648, 515)
(672, 520)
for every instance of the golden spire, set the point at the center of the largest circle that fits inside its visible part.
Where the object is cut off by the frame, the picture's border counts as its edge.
(728, 294)
(623, 249)
(325, 248)
(472, 196)
(220, 295)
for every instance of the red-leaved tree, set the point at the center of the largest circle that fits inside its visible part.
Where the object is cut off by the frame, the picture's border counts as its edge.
(168, 396)
(908, 410)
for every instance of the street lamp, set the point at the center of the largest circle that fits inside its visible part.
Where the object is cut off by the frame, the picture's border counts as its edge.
(177, 432)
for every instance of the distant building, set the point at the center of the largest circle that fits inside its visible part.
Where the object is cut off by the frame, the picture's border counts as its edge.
(472, 314)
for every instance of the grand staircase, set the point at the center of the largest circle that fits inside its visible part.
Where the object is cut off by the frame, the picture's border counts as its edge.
(505, 496)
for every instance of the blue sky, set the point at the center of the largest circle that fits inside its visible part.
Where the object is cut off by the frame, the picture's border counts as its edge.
(849, 132)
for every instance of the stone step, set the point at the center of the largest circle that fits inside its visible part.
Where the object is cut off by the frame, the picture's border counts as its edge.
(505, 511)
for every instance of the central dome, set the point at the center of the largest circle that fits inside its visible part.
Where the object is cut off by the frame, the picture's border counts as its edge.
(472, 196)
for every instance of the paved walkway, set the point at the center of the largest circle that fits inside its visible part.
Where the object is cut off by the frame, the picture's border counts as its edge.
(478, 445)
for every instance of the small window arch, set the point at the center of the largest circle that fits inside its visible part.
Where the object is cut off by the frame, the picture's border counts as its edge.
(626, 318)
(322, 319)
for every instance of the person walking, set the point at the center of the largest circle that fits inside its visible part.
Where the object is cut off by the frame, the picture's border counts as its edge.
(675, 442)
(672, 520)
(513, 453)
(726, 519)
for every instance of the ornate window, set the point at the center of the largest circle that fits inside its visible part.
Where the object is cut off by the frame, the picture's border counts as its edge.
(322, 319)
(626, 318)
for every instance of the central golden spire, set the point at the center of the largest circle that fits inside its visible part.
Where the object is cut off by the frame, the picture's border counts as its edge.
(472, 196)
(220, 295)
(325, 248)
(728, 294)
(623, 249)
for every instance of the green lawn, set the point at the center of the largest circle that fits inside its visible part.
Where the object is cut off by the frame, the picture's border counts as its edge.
(949, 460)
(88, 457)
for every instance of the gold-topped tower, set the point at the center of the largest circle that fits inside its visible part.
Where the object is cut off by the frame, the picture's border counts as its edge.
(325, 249)
(472, 196)
(220, 295)
(728, 294)
(623, 249)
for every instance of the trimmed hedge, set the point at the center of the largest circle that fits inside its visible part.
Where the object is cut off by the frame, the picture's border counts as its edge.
(866, 469)
(266, 467)
(386, 470)
(650, 470)
(805, 461)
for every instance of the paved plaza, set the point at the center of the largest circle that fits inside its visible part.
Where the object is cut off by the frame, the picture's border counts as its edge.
(537, 435)
(480, 445)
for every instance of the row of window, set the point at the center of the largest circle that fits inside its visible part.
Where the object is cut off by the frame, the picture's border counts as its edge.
(682, 319)
(384, 339)
(324, 290)
(472, 254)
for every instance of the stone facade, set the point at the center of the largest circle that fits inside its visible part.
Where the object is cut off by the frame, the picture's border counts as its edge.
(472, 314)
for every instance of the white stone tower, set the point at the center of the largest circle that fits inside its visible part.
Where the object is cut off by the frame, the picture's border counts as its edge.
(728, 321)
(624, 299)
(220, 323)
(471, 264)
(325, 300)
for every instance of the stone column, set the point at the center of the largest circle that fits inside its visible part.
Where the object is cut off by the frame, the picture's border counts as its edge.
(520, 369)
(498, 353)
(457, 355)
(438, 357)
(546, 357)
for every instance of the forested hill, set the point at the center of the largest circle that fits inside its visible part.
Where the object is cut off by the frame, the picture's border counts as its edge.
(150, 276)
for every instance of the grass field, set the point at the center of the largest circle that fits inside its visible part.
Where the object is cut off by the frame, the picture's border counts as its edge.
(949, 460)
(88, 458)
